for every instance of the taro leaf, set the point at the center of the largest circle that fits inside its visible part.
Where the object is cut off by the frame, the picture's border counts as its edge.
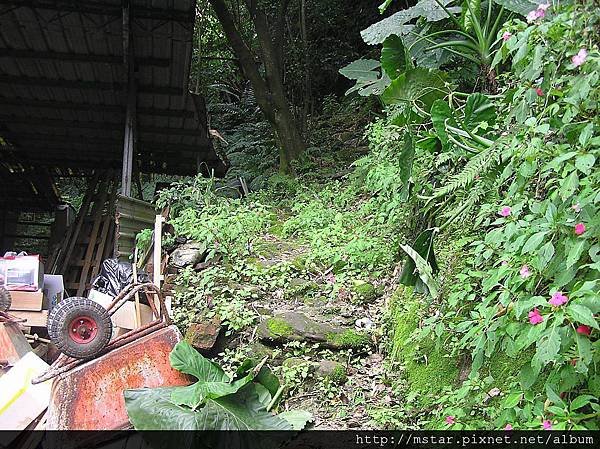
(368, 81)
(212, 381)
(186, 359)
(196, 394)
(297, 418)
(393, 57)
(265, 376)
(416, 86)
(362, 69)
(441, 114)
(152, 409)
(522, 7)
(397, 23)
(242, 411)
(421, 264)
(479, 109)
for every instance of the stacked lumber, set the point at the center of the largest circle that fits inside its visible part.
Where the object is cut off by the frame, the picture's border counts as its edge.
(90, 239)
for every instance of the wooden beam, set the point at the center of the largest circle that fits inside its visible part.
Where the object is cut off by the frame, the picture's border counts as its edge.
(16, 53)
(131, 113)
(68, 124)
(81, 84)
(101, 8)
(92, 107)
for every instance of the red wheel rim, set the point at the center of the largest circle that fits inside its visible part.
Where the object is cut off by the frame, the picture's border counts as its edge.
(83, 329)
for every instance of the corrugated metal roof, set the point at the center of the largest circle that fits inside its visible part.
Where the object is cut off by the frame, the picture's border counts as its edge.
(63, 85)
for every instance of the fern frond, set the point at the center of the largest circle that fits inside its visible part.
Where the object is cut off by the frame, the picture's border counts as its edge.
(477, 166)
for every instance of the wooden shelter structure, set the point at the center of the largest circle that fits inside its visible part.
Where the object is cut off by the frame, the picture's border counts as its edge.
(92, 85)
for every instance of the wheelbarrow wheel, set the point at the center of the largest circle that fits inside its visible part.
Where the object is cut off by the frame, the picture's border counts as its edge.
(79, 327)
(5, 300)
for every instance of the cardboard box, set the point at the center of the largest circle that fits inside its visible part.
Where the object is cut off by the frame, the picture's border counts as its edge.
(24, 273)
(34, 319)
(20, 401)
(31, 301)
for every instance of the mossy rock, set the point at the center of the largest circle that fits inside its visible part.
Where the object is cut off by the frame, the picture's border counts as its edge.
(279, 328)
(294, 326)
(332, 371)
(364, 291)
(349, 339)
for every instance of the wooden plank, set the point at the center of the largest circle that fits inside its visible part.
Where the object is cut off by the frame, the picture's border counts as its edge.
(89, 253)
(34, 319)
(75, 228)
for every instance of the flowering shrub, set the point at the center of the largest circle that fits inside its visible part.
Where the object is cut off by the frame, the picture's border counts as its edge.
(532, 280)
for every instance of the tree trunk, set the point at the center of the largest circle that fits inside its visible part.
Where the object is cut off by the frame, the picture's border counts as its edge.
(269, 91)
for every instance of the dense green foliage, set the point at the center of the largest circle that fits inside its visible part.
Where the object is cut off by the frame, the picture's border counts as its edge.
(481, 182)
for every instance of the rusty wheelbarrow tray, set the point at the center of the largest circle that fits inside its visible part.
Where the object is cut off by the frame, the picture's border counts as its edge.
(87, 394)
(64, 364)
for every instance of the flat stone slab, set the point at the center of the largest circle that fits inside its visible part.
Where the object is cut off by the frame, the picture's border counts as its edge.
(294, 326)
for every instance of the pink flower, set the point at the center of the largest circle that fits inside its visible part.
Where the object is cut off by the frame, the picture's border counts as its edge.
(535, 317)
(450, 420)
(579, 228)
(576, 207)
(330, 278)
(524, 272)
(504, 263)
(506, 36)
(539, 91)
(508, 427)
(583, 329)
(505, 211)
(547, 424)
(558, 299)
(543, 7)
(538, 13)
(579, 58)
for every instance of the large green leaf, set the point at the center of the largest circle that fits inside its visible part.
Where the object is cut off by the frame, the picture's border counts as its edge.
(195, 395)
(362, 69)
(393, 56)
(417, 86)
(242, 411)
(398, 23)
(420, 266)
(296, 418)
(212, 381)
(186, 359)
(152, 409)
(442, 115)
(213, 403)
(479, 109)
(367, 76)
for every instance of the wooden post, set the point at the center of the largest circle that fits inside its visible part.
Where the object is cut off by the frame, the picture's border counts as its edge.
(157, 259)
(131, 114)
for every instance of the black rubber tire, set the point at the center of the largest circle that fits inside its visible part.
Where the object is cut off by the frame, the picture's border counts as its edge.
(5, 300)
(61, 317)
